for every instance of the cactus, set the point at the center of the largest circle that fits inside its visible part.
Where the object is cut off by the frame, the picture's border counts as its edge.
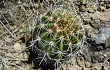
(57, 34)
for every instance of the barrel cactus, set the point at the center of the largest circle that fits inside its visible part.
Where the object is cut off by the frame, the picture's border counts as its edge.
(58, 34)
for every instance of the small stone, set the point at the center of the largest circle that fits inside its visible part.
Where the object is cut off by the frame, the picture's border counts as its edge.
(17, 47)
(25, 56)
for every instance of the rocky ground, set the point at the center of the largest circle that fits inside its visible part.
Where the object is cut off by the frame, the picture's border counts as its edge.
(95, 54)
(15, 25)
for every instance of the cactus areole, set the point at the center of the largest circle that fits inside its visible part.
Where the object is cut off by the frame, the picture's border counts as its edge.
(58, 34)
